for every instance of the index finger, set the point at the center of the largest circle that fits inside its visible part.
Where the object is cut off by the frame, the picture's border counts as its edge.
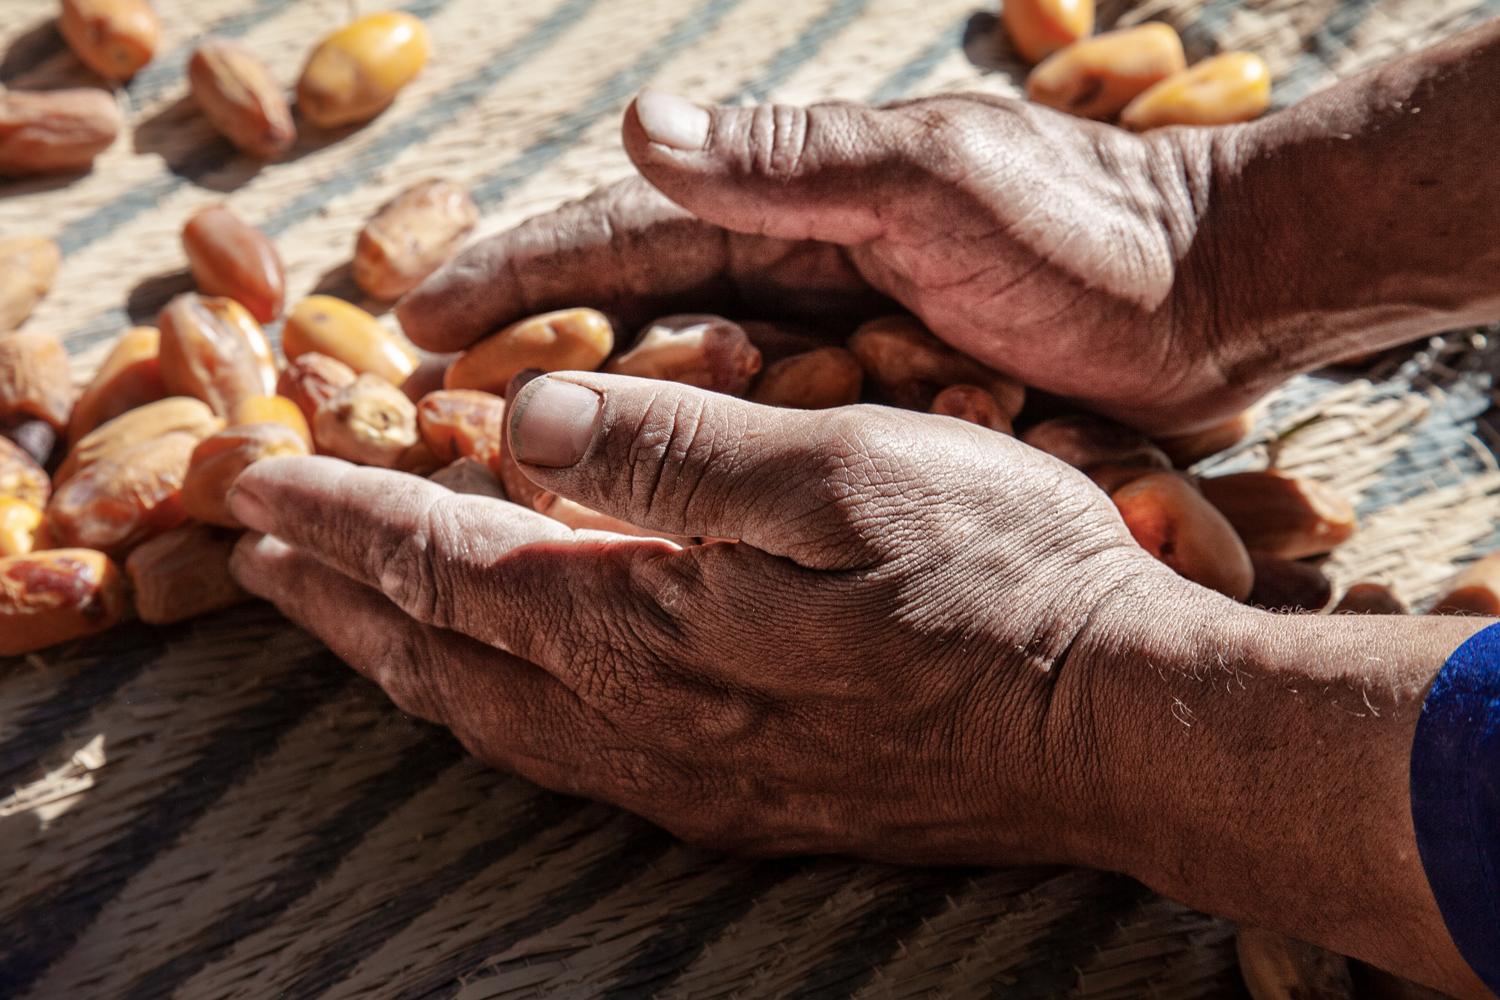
(629, 252)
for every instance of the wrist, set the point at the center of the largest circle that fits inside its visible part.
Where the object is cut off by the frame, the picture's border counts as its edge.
(1261, 768)
(1361, 218)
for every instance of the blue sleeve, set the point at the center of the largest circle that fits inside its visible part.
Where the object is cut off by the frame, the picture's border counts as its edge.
(1455, 798)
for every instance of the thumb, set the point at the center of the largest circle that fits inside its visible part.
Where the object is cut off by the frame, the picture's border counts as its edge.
(775, 169)
(673, 458)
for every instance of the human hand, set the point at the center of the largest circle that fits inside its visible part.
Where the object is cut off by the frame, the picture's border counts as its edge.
(1069, 254)
(898, 659)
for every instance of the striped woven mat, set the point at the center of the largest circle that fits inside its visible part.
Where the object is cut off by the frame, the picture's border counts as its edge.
(220, 809)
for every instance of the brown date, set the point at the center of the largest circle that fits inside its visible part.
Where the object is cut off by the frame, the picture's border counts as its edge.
(28, 266)
(120, 501)
(129, 377)
(35, 380)
(411, 236)
(183, 573)
(56, 596)
(55, 131)
(230, 257)
(218, 460)
(165, 416)
(309, 380)
(212, 349)
(241, 99)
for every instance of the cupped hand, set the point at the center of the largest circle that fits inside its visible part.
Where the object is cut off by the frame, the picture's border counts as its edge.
(902, 656)
(1077, 257)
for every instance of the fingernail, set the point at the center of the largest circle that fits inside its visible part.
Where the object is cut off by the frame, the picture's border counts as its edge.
(671, 120)
(248, 508)
(554, 423)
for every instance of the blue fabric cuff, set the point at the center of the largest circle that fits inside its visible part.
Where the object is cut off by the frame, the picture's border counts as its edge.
(1455, 798)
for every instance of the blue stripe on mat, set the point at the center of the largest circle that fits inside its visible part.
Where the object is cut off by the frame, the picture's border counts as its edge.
(786, 62)
(906, 76)
(605, 99)
(170, 70)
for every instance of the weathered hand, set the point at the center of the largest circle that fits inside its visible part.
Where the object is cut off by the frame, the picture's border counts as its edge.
(1074, 256)
(898, 658)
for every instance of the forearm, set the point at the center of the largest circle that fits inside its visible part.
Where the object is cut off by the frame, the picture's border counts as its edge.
(1262, 772)
(1366, 216)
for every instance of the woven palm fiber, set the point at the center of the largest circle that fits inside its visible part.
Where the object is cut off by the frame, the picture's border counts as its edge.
(220, 809)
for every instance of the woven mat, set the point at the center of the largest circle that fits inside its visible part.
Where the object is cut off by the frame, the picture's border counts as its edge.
(221, 809)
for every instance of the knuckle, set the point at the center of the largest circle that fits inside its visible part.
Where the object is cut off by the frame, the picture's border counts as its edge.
(778, 146)
(862, 459)
(416, 570)
(666, 456)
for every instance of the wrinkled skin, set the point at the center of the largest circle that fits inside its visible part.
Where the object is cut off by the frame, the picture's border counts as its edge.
(1021, 236)
(716, 689)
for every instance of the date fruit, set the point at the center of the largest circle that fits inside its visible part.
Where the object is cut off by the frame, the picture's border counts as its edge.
(212, 349)
(230, 257)
(114, 38)
(56, 596)
(20, 523)
(1097, 77)
(369, 421)
(812, 380)
(273, 410)
(1282, 515)
(1172, 521)
(218, 460)
(776, 341)
(21, 476)
(1222, 90)
(463, 423)
(184, 573)
(356, 72)
(35, 380)
(411, 236)
(1185, 449)
(1038, 28)
(1276, 967)
(708, 352)
(1370, 599)
(309, 380)
(240, 98)
(1475, 591)
(470, 476)
(323, 324)
(1108, 453)
(973, 405)
(565, 340)
(121, 500)
(130, 376)
(28, 266)
(910, 366)
(1287, 586)
(55, 131)
(173, 415)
